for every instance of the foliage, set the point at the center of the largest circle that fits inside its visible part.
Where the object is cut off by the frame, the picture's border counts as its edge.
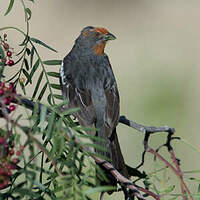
(50, 165)
(48, 162)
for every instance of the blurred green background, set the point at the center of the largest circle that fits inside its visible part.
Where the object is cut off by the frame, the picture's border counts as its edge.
(156, 61)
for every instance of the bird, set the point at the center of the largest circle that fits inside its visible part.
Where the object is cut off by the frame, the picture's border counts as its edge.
(88, 83)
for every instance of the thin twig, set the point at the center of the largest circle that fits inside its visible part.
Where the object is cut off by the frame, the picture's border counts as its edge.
(172, 168)
(180, 176)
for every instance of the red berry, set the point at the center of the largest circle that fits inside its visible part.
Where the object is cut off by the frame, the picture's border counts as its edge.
(1, 171)
(2, 140)
(9, 132)
(10, 63)
(5, 89)
(13, 166)
(2, 186)
(15, 160)
(6, 46)
(5, 183)
(1, 92)
(2, 84)
(4, 60)
(11, 85)
(6, 101)
(18, 153)
(9, 166)
(9, 173)
(9, 53)
(11, 152)
(5, 147)
(11, 108)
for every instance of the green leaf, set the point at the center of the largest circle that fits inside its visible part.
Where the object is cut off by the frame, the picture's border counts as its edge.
(54, 74)
(52, 62)
(58, 142)
(37, 85)
(2, 64)
(55, 86)
(2, 54)
(26, 64)
(26, 192)
(61, 104)
(42, 91)
(100, 189)
(28, 51)
(57, 96)
(34, 68)
(42, 118)
(28, 11)
(22, 87)
(198, 189)
(27, 76)
(40, 185)
(42, 44)
(9, 7)
(51, 122)
(49, 99)
(25, 41)
(32, 55)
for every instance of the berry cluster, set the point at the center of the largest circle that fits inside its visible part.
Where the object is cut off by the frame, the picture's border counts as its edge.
(7, 162)
(7, 59)
(7, 94)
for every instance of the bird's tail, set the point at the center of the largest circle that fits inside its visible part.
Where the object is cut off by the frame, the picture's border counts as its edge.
(115, 155)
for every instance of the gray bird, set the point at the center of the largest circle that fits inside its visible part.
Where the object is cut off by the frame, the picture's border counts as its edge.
(88, 82)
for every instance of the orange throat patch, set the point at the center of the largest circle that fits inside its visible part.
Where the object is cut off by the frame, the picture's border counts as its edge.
(99, 49)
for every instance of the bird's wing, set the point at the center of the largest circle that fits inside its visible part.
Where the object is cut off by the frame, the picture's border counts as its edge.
(76, 97)
(112, 106)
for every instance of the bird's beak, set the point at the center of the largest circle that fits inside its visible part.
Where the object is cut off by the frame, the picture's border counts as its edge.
(109, 36)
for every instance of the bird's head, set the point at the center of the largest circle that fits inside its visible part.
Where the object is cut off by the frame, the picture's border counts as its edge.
(95, 38)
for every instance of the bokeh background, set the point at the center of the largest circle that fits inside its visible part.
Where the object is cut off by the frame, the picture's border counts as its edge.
(156, 61)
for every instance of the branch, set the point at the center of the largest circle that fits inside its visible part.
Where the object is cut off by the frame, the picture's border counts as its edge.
(145, 129)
